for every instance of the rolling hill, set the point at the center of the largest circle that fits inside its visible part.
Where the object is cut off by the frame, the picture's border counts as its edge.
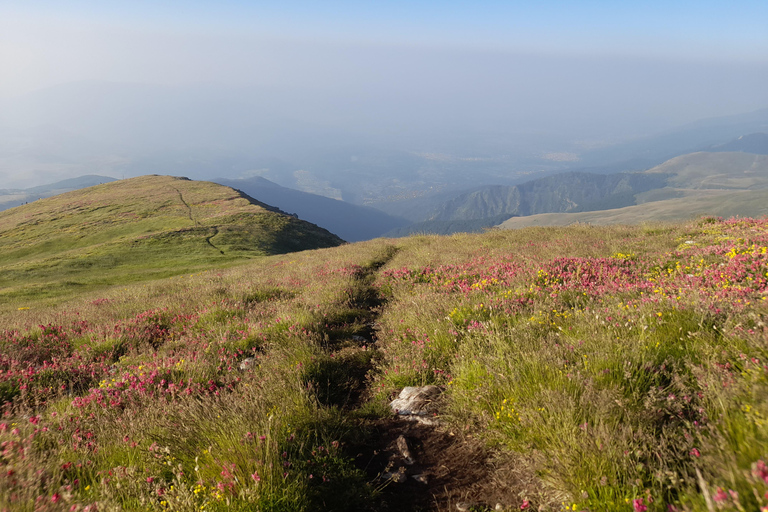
(138, 229)
(719, 184)
(351, 222)
(704, 170)
(717, 203)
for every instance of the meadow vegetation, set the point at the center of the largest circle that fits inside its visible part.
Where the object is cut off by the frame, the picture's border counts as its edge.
(605, 368)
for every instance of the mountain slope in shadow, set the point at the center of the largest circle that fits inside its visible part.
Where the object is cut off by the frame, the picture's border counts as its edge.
(351, 222)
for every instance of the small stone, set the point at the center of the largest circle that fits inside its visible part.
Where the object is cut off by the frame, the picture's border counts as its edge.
(464, 506)
(499, 507)
(405, 452)
(422, 479)
(247, 363)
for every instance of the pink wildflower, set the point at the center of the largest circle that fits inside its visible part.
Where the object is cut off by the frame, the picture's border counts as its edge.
(760, 470)
(720, 495)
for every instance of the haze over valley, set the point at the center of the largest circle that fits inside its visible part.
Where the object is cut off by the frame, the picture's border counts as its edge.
(399, 119)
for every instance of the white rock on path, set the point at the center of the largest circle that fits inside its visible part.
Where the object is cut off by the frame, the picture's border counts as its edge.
(414, 400)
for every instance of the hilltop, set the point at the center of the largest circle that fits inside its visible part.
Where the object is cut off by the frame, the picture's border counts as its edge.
(139, 229)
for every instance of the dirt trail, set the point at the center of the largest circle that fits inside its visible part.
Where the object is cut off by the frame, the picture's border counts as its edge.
(186, 205)
(195, 221)
(448, 469)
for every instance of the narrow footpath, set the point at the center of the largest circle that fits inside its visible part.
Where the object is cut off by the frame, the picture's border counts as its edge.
(415, 463)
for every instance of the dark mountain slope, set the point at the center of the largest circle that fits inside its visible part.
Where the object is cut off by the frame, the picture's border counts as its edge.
(568, 192)
(351, 222)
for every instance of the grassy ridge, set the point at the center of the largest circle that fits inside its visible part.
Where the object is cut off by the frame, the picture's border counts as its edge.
(138, 229)
(722, 184)
(608, 368)
(687, 205)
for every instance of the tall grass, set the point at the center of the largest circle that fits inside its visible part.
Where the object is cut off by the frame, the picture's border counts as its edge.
(609, 368)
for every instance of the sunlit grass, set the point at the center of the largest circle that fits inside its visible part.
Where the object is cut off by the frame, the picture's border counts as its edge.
(612, 365)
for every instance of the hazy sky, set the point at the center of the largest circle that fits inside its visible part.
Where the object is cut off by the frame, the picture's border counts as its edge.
(424, 75)
(43, 43)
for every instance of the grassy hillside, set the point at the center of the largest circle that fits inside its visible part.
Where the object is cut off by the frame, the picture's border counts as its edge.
(745, 203)
(581, 368)
(720, 184)
(138, 229)
(729, 170)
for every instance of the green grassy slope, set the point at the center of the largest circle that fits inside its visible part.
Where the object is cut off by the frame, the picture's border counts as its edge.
(138, 229)
(703, 170)
(752, 203)
(720, 184)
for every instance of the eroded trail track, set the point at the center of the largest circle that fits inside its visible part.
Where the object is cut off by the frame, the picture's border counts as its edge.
(414, 465)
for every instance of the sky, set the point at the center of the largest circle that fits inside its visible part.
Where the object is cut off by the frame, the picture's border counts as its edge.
(421, 75)
(43, 43)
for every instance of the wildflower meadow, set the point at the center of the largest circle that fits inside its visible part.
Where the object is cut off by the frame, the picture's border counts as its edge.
(610, 368)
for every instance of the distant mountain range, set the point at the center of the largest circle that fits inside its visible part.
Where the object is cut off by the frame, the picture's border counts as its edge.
(756, 143)
(301, 141)
(716, 203)
(702, 135)
(16, 197)
(739, 164)
(722, 184)
(674, 189)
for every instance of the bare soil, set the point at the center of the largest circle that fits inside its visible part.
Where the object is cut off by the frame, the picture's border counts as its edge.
(456, 469)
